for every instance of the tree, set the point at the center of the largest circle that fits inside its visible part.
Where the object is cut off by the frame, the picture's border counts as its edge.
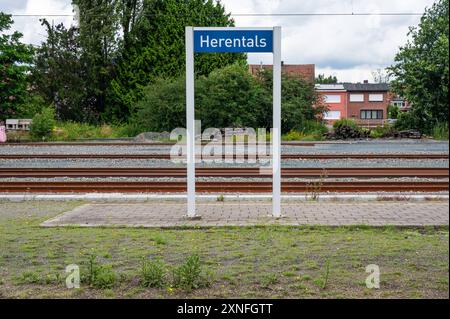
(154, 47)
(227, 97)
(421, 69)
(300, 102)
(381, 76)
(59, 76)
(99, 28)
(15, 58)
(321, 79)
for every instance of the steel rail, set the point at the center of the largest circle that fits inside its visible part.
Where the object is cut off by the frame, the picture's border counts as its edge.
(283, 156)
(224, 172)
(222, 187)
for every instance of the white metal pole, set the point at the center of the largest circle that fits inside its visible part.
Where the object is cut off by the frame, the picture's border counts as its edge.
(276, 138)
(190, 125)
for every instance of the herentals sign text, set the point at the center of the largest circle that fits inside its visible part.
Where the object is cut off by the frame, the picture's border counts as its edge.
(233, 40)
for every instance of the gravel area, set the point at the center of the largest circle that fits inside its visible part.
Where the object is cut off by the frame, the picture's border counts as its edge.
(301, 163)
(363, 146)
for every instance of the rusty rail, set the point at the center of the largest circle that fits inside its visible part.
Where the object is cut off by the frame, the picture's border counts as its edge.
(221, 187)
(224, 172)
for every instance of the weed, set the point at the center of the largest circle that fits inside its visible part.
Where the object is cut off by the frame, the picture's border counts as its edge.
(153, 273)
(160, 240)
(322, 282)
(269, 280)
(190, 275)
(28, 277)
(315, 188)
(220, 198)
(440, 131)
(99, 276)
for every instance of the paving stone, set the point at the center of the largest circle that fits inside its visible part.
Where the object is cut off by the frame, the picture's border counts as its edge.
(170, 214)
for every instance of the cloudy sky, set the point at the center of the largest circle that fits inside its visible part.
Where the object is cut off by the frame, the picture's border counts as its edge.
(350, 47)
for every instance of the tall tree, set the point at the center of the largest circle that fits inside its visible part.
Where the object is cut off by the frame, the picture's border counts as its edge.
(421, 68)
(99, 38)
(15, 58)
(322, 79)
(59, 76)
(154, 47)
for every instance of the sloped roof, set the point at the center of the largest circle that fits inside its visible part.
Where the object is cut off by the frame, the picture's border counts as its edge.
(373, 87)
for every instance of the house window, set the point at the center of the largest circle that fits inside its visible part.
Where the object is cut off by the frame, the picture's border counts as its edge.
(371, 114)
(356, 97)
(400, 104)
(332, 115)
(375, 97)
(332, 98)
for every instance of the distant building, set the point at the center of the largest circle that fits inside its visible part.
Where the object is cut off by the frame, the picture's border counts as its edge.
(366, 103)
(305, 71)
(335, 97)
(18, 124)
(402, 104)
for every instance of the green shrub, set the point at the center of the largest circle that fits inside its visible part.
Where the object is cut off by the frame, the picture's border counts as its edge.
(191, 274)
(310, 131)
(383, 131)
(346, 122)
(70, 131)
(440, 131)
(153, 273)
(393, 111)
(97, 275)
(43, 123)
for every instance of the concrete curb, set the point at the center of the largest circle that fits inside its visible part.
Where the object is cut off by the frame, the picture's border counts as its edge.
(241, 197)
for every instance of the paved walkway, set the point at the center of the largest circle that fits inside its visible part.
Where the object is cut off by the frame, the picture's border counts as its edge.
(170, 214)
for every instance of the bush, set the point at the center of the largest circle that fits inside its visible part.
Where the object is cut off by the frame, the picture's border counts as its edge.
(311, 131)
(440, 131)
(227, 97)
(393, 111)
(99, 276)
(43, 123)
(383, 131)
(70, 131)
(153, 274)
(191, 274)
(346, 122)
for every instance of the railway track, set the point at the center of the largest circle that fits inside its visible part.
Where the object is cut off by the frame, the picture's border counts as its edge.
(140, 144)
(224, 172)
(220, 187)
(283, 156)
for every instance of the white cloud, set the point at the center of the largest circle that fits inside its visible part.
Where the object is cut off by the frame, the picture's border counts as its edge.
(347, 46)
(350, 47)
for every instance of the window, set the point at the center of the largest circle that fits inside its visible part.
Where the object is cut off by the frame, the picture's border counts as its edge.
(332, 115)
(332, 98)
(356, 97)
(375, 97)
(371, 114)
(399, 103)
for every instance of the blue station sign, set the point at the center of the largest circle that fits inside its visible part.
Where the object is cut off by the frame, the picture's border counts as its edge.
(233, 40)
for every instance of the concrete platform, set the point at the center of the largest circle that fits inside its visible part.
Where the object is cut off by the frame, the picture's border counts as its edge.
(248, 213)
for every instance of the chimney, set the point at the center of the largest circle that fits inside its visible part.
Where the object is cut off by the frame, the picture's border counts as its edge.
(366, 81)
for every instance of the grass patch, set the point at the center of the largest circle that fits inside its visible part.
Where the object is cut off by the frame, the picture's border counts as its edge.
(235, 261)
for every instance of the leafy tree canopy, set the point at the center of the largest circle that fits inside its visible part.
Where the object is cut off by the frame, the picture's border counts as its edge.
(322, 79)
(154, 47)
(15, 58)
(421, 69)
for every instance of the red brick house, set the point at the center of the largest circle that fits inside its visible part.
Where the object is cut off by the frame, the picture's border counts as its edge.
(335, 97)
(305, 71)
(368, 102)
